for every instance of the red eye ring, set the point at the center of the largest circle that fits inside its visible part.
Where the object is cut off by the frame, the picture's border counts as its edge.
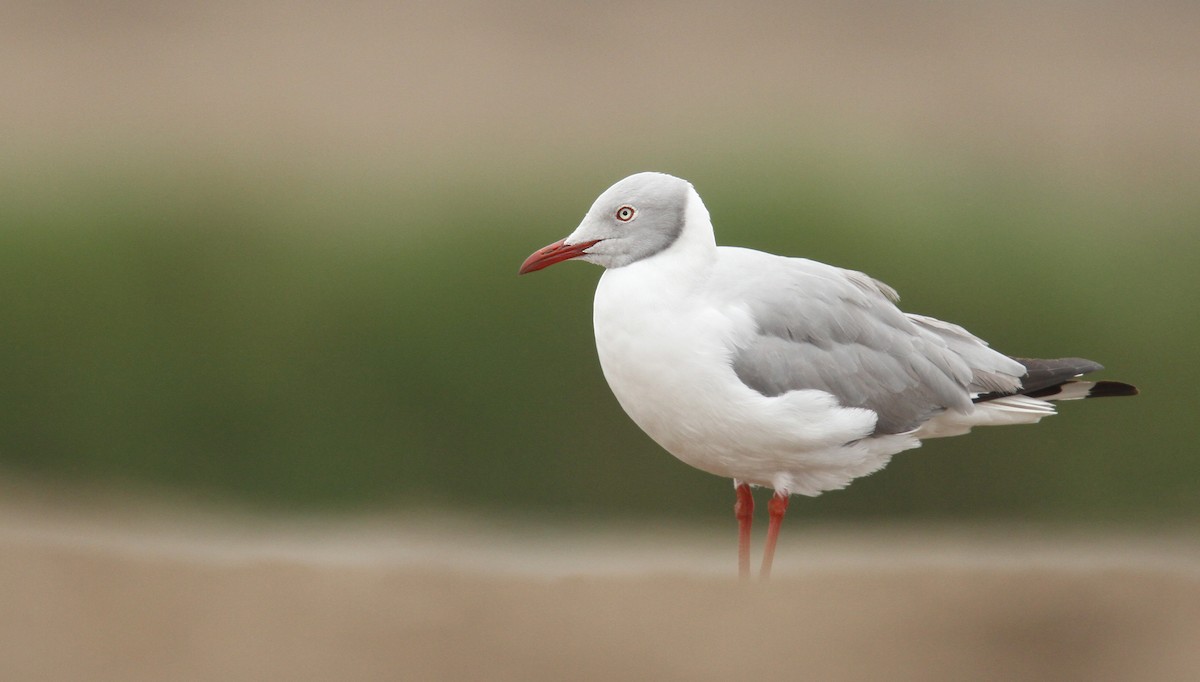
(626, 213)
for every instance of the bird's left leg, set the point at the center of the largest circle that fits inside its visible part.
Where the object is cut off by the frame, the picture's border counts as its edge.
(743, 511)
(776, 508)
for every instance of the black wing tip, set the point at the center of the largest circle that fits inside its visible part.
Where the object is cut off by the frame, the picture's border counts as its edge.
(1112, 389)
(1046, 378)
(1099, 389)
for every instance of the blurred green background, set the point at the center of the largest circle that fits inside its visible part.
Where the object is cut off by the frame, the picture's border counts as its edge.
(265, 254)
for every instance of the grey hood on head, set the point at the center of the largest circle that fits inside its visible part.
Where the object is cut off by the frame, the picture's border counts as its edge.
(634, 219)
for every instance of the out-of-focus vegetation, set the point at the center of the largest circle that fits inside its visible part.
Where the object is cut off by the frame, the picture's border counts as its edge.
(369, 345)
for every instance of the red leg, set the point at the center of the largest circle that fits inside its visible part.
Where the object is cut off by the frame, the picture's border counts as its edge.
(777, 507)
(743, 510)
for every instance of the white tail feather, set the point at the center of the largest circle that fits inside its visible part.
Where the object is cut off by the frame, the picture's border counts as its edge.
(1013, 409)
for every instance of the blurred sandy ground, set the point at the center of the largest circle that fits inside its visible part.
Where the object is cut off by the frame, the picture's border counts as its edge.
(95, 590)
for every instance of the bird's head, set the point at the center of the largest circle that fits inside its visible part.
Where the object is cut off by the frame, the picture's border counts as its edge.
(634, 219)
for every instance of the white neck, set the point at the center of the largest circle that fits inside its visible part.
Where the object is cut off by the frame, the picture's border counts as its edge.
(694, 251)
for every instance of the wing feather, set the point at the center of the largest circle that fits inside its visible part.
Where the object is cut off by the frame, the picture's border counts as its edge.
(839, 331)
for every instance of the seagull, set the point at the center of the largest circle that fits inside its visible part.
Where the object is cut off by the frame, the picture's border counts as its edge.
(781, 372)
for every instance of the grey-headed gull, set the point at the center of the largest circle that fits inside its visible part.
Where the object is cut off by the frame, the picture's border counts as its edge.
(781, 372)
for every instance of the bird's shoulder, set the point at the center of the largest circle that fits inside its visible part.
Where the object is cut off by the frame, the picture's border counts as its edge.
(773, 286)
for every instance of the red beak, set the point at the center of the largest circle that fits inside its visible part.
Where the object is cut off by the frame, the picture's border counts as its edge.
(554, 253)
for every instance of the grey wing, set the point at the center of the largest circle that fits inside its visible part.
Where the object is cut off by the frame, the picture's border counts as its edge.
(839, 331)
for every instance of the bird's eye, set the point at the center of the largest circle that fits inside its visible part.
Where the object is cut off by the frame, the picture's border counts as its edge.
(626, 213)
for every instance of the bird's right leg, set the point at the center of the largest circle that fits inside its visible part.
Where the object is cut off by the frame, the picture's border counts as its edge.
(777, 507)
(743, 510)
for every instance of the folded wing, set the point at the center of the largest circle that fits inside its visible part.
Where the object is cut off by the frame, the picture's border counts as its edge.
(839, 331)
